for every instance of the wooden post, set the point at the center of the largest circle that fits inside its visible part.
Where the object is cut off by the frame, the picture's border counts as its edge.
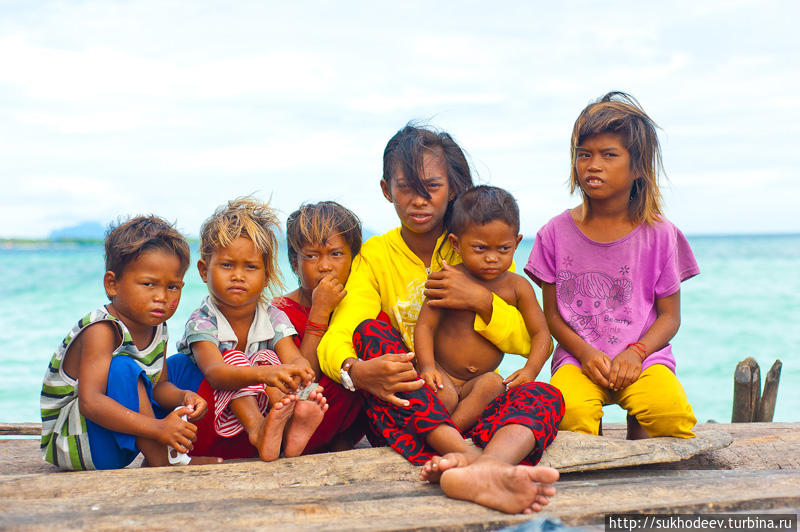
(766, 406)
(20, 429)
(746, 391)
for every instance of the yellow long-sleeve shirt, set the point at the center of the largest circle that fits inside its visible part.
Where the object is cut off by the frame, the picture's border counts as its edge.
(388, 276)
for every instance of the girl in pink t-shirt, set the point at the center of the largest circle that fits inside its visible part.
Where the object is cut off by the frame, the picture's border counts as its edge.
(610, 271)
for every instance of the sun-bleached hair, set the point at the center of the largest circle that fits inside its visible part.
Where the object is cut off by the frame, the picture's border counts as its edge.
(315, 223)
(249, 218)
(620, 113)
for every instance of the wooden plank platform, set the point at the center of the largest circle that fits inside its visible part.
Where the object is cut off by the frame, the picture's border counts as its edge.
(375, 489)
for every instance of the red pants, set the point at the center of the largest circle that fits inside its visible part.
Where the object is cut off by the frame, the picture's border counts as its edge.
(535, 405)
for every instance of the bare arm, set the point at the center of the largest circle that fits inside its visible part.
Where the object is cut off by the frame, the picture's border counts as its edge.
(98, 341)
(223, 376)
(327, 294)
(427, 322)
(537, 327)
(290, 355)
(170, 396)
(627, 366)
(453, 289)
(594, 363)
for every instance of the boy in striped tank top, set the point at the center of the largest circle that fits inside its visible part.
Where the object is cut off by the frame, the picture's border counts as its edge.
(116, 352)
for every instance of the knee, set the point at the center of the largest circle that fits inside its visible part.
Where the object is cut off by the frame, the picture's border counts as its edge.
(366, 326)
(490, 385)
(581, 415)
(373, 338)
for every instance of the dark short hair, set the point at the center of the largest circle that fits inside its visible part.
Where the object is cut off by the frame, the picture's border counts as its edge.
(481, 205)
(314, 223)
(128, 239)
(405, 151)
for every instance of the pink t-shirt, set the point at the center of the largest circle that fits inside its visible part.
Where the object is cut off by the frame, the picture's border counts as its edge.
(606, 291)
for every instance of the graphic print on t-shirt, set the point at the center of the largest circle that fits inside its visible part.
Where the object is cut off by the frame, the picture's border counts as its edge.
(587, 296)
(406, 311)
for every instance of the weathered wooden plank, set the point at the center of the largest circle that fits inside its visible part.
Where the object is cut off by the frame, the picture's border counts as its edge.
(375, 489)
(392, 505)
(746, 391)
(20, 429)
(766, 406)
(755, 446)
(569, 452)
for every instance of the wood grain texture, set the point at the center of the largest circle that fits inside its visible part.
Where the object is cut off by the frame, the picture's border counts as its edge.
(376, 489)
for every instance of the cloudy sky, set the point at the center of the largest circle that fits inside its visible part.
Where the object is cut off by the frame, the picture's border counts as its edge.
(113, 108)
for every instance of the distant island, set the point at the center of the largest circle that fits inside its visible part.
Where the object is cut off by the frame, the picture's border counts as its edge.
(81, 231)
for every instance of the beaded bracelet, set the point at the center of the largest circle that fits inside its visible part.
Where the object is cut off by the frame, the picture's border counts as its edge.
(639, 348)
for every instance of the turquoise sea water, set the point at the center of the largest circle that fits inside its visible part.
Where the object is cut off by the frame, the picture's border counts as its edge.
(746, 302)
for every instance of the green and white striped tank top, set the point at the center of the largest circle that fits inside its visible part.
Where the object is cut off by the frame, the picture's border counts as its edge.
(65, 442)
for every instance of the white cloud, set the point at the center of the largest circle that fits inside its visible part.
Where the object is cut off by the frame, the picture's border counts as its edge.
(184, 105)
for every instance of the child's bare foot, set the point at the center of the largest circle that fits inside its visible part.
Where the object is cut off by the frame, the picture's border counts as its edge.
(432, 469)
(270, 432)
(495, 484)
(307, 417)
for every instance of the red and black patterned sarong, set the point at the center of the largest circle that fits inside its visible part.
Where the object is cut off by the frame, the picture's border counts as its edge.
(535, 405)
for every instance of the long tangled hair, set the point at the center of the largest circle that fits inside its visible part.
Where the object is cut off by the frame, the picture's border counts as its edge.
(249, 218)
(620, 113)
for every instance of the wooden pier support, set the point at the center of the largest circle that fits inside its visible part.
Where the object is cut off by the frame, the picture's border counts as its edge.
(749, 404)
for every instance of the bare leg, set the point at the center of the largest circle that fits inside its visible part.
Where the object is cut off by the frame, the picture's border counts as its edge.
(635, 430)
(307, 417)
(494, 481)
(476, 394)
(155, 453)
(265, 433)
(449, 394)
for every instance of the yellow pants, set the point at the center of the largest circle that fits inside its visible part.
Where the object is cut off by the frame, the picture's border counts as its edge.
(656, 399)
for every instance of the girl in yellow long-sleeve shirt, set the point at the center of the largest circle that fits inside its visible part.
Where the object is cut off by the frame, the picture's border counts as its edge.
(423, 173)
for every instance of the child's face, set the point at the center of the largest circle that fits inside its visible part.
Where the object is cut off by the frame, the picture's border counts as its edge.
(603, 166)
(487, 251)
(418, 214)
(148, 291)
(315, 261)
(235, 275)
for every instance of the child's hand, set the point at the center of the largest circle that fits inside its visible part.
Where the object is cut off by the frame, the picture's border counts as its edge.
(327, 294)
(301, 362)
(625, 369)
(197, 404)
(597, 366)
(286, 377)
(177, 433)
(432, 378)
(308, 375)
(521, 376)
